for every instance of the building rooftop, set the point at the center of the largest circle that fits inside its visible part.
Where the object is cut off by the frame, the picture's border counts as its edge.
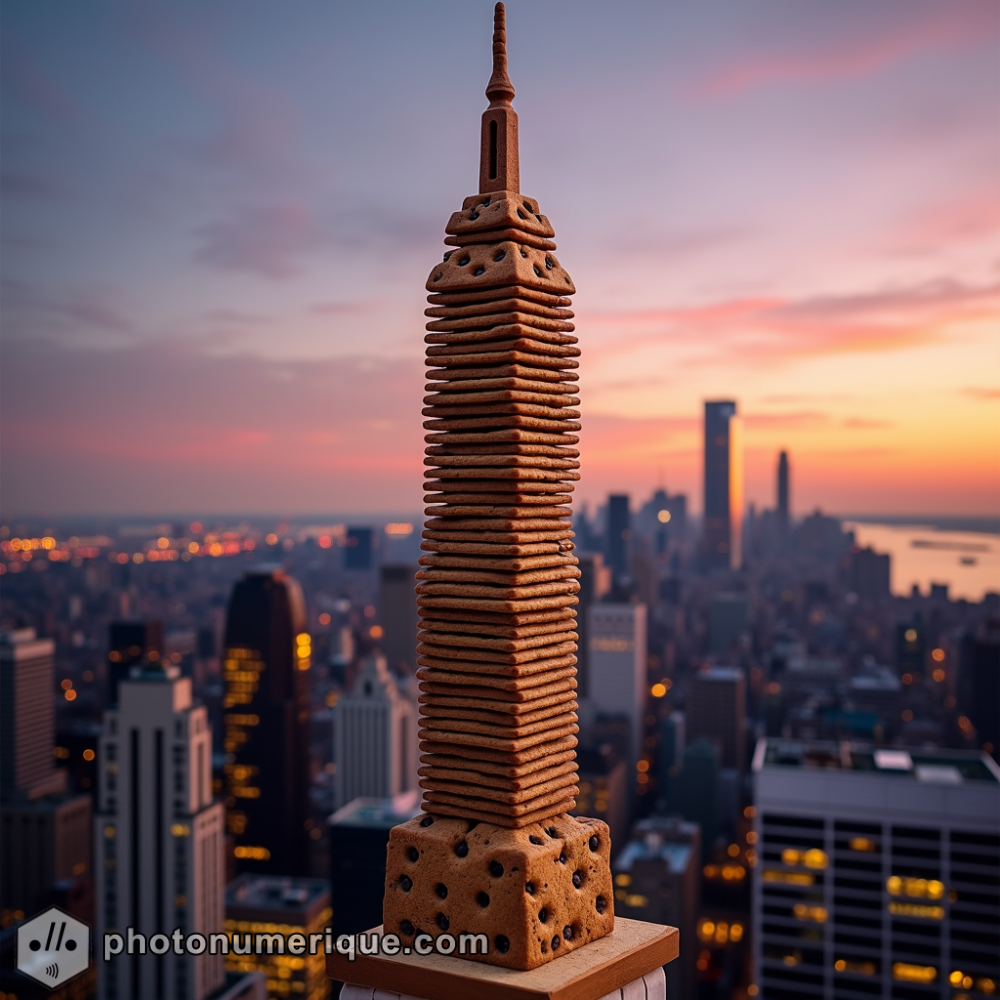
(929, 766)
(380, 814)
(275, 894)
(676, 857)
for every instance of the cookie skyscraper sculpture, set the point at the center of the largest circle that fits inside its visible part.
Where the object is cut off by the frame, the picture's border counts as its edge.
(496, 851)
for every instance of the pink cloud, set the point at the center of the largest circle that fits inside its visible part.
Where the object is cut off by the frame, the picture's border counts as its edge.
(756, 332)
(984, 393)
(967, 216)
(855, 58)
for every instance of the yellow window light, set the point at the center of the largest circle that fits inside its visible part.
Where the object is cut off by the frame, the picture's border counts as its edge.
(915, 888)
(789, 878)
(623, 879)
(814, 914)
(861, 844)
(907, 973)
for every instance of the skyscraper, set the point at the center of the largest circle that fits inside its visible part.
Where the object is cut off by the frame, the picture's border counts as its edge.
(44, 832)
(722, 531)
(782, 508)
(375, 737)
(716, 709)
(27, 718)
(398, 614)
(618, 533)
(130, 643)
(160, 861)
(879, 873)
(617, 683)
(267, 653)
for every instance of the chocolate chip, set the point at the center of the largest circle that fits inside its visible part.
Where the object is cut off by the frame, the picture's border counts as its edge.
(535, 840)
(427, 820)
(464, 261)
(502, 944)
(549, 263)
(561, 859)
(537, 270)
(442, 890)
(543, 914)
(556, 942)
(594, 843)
(478, 271)
(406, 884)
(529, 888)
(407, 928)
(577, 879)
(568, 932)
(500, 254)
(496, 869)
(483, 899)
(462, 849)
(521, 214)
(551, 831)
(413, 854)
(473, 215)
(442, 921)
(601, 903)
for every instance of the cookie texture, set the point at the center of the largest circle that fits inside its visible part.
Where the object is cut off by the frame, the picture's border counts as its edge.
(537, 892)
(497, 852)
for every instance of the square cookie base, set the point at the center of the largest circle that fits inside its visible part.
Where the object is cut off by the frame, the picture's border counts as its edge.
(536, 893)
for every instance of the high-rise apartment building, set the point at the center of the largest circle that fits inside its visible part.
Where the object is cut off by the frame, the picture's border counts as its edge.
(397, 611)
(129, 644)
(27, 716)
(359, 835)
(375, 737)
(618, 534)
(595, 582)
(358, 548)
(268, 904)
(727, 620)
(617, 666)
(267, 653)
(722, 529)
(44, 831)
(878, 874)
(716, 709)
(159, 836)
(871, 574)
(658, 878)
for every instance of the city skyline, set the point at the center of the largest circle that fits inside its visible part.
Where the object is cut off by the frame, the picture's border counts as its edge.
(206, 249)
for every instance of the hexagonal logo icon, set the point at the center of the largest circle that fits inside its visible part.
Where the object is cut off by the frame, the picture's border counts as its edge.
(53, 947)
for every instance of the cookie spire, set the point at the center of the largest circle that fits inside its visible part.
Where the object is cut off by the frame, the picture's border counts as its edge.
(498, 162)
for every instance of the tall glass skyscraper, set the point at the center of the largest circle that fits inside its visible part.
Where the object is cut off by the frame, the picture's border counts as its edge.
(722, 531)
(267, 655)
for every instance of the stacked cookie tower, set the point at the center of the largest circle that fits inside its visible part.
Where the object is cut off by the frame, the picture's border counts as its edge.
(497, 589)
(498, 582)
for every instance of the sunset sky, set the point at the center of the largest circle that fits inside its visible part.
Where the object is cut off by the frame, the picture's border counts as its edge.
(218, 220)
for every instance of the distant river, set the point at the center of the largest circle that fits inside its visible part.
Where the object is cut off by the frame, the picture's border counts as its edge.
(968, 561)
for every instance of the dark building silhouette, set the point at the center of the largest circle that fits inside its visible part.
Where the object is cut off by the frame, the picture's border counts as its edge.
(129, 644)
(267, 653)
(44, 832)
(618, 533)
(694, 791)
(398, 615)
(359, 833)
(783, 506)
(721, 540)
(595, 582)
(979, 685)
(911, 651)
(358, 548)
(870, 574)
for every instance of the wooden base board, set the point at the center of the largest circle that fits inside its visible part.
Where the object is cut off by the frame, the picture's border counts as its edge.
(633, 949)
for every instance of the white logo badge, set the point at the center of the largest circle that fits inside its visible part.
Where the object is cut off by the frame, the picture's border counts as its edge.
(53, 947)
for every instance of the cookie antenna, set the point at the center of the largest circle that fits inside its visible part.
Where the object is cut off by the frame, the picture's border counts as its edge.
(499, 90)
(499, 169)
